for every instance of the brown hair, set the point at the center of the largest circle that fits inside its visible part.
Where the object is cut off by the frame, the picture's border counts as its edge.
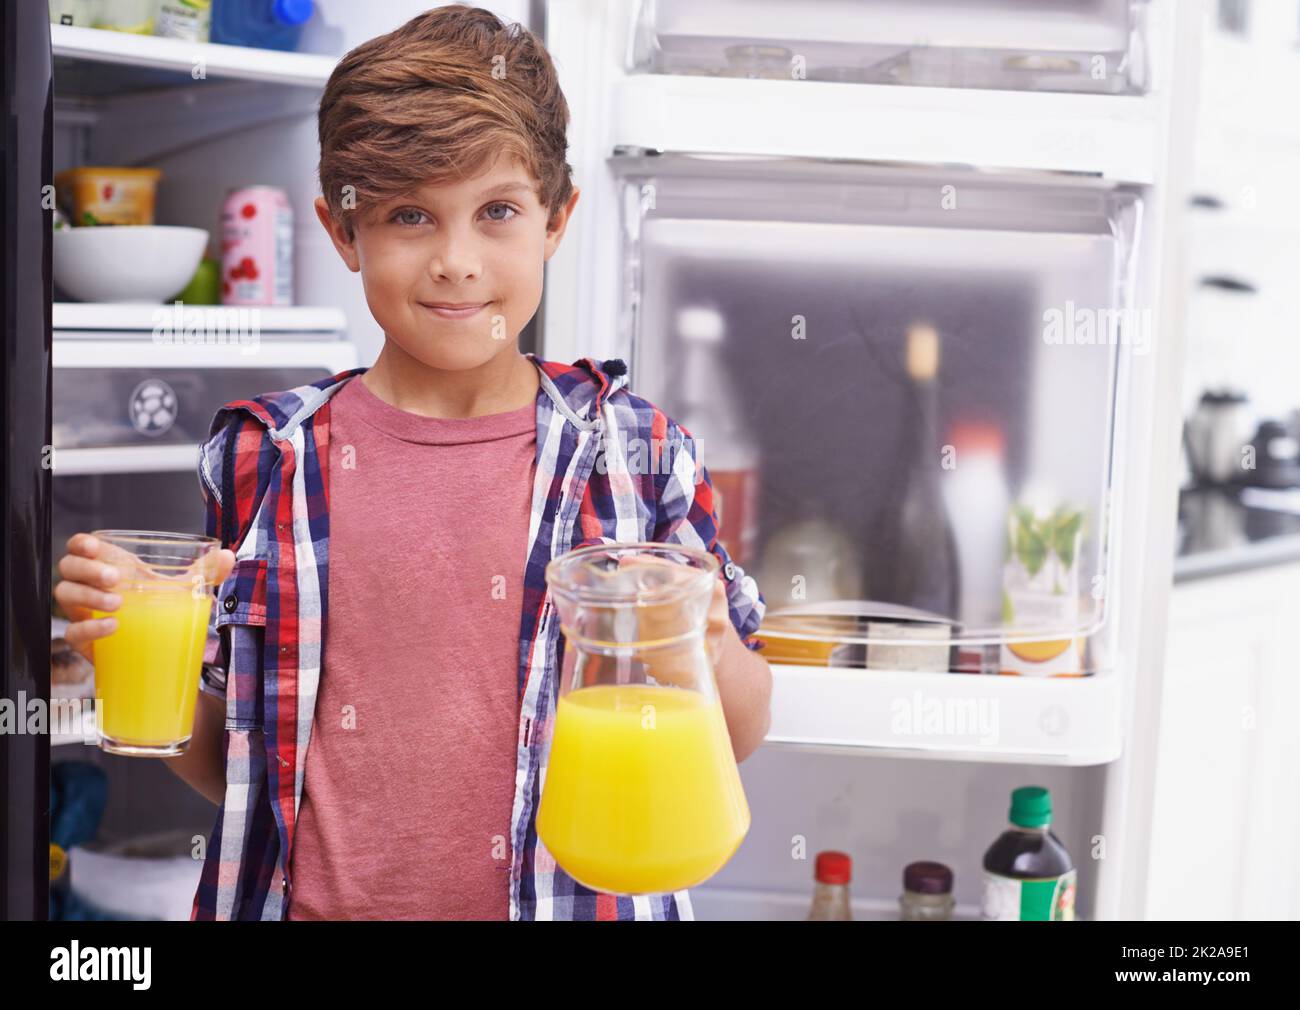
(437, 100)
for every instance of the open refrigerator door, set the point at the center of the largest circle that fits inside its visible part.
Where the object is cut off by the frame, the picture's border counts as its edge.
(909, 294)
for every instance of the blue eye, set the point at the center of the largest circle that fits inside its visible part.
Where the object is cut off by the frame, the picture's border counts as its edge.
(411, 217)
(399, 217)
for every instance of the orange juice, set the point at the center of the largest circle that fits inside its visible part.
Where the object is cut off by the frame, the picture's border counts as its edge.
(147, 671)
(642, 794)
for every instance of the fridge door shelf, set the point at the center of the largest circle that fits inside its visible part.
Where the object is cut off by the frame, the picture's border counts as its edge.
(932, 648)
(861, 622)
(801, 316)
(1050, 45)
(953, 717)
(1113, 135)
(96, 62)
(736, 904)
(1108, 136)
(139, 350)
(127, 459)
(103, 321)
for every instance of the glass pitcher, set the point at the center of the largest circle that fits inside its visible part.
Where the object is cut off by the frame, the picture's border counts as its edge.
(641, 793)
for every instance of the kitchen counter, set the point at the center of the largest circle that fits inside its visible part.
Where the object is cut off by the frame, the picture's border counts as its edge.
(1218, 534)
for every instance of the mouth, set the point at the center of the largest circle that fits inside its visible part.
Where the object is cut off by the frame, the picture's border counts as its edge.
(455, 310)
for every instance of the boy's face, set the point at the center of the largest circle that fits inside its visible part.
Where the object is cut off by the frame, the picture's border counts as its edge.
(480, 242)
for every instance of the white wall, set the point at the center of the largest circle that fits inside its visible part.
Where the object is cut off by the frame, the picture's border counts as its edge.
(1248, 157)
(1225, 827)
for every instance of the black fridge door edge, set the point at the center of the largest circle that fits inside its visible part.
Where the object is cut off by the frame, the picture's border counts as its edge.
(26, 165)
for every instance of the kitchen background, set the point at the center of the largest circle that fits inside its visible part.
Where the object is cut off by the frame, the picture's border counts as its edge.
(869, 246)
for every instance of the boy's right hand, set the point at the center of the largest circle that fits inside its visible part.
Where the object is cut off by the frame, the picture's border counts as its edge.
(90, 571)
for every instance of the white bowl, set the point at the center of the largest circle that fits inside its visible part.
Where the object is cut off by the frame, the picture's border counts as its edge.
(126, 263)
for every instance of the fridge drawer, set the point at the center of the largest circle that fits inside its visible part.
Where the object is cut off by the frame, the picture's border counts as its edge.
(1084, 46)
(133, 405)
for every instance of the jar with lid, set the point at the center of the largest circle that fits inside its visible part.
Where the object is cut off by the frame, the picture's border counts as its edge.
(927, 893)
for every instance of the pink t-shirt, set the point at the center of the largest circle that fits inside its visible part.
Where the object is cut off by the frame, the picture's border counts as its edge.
(410, 770)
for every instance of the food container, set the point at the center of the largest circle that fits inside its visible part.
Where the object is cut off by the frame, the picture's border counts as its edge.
(152, 877)
(257, 247)
(809, 640)
(187, 20)
(911, 646)
(858, 633)
(71, 673)
(1040, 594)
(133, 16)
(102, 195)
(147, 263)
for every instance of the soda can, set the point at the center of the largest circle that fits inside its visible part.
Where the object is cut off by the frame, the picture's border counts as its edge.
(257, 247)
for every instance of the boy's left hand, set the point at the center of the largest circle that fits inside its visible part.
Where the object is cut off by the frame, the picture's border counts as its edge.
(672, 666)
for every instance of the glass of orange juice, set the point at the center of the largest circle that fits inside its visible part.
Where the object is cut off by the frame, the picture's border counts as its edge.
(641, 794)
(147, 670)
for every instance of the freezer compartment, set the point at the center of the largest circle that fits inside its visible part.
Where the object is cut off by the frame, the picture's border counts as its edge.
(904, 385)
(1085, 46)
(100, 407)
(127, 403)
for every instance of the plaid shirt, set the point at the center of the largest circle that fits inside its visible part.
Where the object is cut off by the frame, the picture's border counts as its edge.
(611, 467)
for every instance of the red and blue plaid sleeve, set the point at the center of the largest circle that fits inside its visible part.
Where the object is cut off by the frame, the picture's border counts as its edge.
(687, 514)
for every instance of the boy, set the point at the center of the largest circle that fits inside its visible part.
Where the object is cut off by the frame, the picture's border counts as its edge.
(382, 595)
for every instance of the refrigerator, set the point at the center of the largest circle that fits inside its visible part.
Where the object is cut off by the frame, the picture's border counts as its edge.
(74, 459)
(779, 204)
(783, 203)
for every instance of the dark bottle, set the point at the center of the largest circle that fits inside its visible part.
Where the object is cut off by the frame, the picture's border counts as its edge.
(927, 893)
(1028, 874)
(914, 541)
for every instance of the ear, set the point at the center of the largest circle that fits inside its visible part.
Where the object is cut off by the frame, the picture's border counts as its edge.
(555, 231)
(347, 247)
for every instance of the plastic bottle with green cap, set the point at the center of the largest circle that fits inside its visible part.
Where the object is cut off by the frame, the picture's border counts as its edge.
(1028, 874)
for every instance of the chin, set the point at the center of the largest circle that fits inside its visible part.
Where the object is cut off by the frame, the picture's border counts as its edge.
(448, 354)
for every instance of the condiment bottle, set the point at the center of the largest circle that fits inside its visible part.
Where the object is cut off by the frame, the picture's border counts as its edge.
(831, 891)
(1028, 874)
(927, 893)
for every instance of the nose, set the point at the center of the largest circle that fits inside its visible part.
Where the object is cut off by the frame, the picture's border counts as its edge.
(455, 258)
